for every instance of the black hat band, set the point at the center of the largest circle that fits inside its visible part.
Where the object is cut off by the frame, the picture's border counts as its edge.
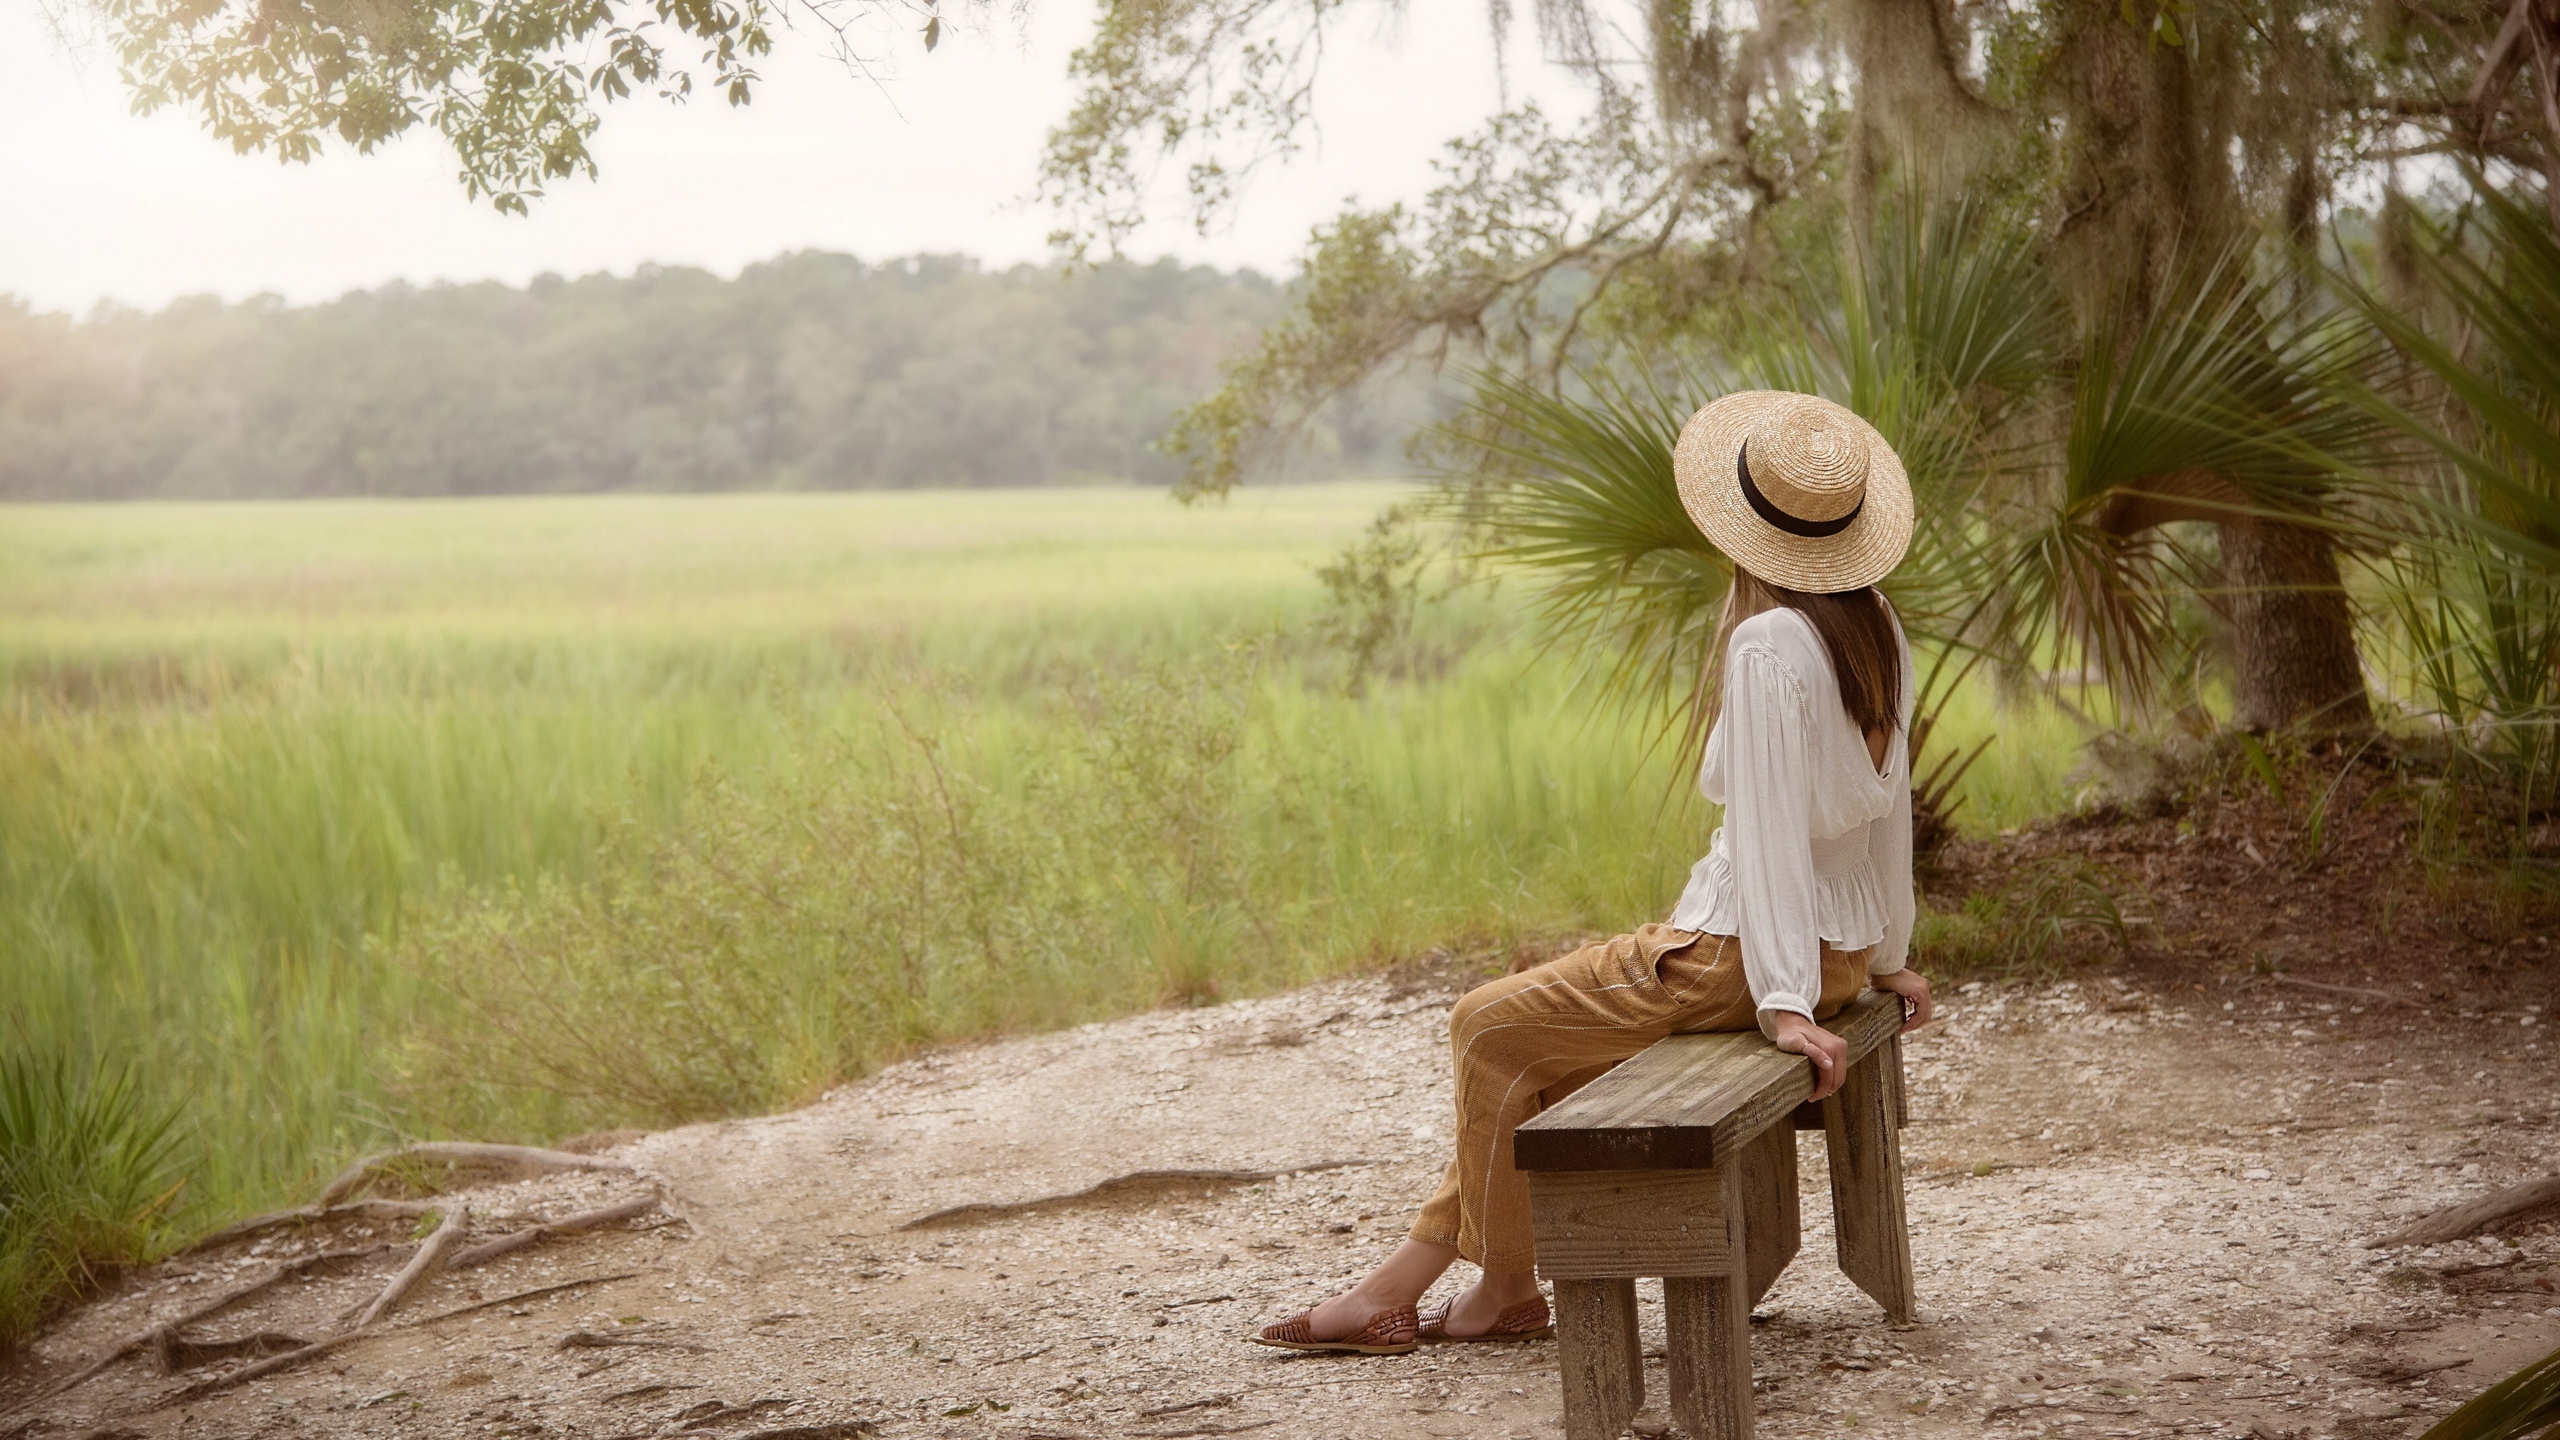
(1760, 504)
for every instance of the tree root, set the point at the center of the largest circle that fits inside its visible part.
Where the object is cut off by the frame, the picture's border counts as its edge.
(258, 1371)
(624, 1340)
(175, 1352)
(1137, 1183)
(524, 1159)
(611, 1214)
(430, 1255)
(165, 1340)
(2460, 1222)
(534, 1293)
(315, 1349)
(2387, 997)
(289, 1270)
(2419, 1372)
(310, 1214)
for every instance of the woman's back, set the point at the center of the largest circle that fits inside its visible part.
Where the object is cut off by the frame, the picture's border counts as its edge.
(1777, 668)
(1815, 848)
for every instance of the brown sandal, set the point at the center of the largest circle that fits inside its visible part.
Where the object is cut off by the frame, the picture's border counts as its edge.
(1527, 1320)
(1394, 1332)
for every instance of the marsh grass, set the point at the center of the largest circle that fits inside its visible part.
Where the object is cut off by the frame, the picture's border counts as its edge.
(339, 823)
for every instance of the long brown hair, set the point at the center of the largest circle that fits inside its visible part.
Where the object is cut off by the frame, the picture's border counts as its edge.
(1856, 627)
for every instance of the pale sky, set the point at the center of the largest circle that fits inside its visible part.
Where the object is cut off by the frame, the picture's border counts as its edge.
(97, 204)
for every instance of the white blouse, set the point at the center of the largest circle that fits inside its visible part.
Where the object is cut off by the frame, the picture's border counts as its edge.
(1815, 845)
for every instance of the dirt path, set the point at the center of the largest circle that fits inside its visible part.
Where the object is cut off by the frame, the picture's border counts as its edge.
(2155, 1235)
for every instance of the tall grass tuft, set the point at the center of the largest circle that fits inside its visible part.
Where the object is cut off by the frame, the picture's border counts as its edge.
(87, 1178)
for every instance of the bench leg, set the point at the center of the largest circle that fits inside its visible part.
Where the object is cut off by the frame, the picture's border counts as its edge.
(1708, 1318)
(1901, 1089)
(1601, 1356)
(1859, 1123)
(1772, 1222)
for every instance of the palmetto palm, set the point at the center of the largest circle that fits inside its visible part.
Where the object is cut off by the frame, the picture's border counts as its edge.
(2044, 473)
(2523, 1405)
(2216, 405)
(1935, 338)
(2476, 588)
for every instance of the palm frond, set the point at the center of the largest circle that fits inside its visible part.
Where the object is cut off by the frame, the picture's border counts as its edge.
(2524, 1404)
(2475, 587)
(1934, 333)
(1579, 491)
(1962, 288)
(2211, 404)
(2505, 442)
(1937, 333)
(2217, 383)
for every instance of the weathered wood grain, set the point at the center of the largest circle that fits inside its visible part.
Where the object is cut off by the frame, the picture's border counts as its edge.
(1901, 1086)
(1681, 1163)
(1772, 1220)
(1599, 1355)
(1866, 1185)
(1707, 1320)
(1690, 1099)
(1592, 1224)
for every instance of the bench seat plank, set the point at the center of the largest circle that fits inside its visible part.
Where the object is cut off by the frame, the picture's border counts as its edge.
(1690, 1100)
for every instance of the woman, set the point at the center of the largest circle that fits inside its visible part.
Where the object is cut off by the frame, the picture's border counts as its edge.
(1804, 897)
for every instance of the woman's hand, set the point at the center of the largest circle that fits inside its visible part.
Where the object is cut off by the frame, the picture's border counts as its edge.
(1913, 987)
(1828, 1052)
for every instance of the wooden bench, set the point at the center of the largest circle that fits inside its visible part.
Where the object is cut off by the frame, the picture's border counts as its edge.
(1681, 1163)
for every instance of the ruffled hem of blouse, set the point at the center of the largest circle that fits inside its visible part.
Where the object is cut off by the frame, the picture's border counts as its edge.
(1848, 907)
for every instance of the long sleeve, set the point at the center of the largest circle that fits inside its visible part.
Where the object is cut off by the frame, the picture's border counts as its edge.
(1768, 775)
(1889, 845)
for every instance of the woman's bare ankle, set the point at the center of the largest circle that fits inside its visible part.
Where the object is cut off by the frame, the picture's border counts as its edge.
(1476, 1309)
(1349, 1313)
(1399, 1281)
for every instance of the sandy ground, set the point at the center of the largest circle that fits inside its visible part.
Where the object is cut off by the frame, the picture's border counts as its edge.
(2135, 1212)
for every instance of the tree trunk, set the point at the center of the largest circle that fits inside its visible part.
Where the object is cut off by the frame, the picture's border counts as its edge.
(2152, 192)
(1915, 110)
(2149, 137)
(2293, 636)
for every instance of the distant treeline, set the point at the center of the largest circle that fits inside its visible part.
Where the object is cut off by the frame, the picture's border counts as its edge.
(814, 370)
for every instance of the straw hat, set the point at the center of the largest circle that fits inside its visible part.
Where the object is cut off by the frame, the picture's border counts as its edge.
(1795, 489)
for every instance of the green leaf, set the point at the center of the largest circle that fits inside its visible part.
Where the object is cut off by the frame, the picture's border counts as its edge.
(2524, 1404)
(2264, 764)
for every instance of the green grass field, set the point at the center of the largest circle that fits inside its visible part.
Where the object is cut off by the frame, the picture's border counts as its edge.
(345, 821)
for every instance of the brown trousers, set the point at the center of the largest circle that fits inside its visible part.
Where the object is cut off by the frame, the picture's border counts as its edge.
(1521, 1043)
